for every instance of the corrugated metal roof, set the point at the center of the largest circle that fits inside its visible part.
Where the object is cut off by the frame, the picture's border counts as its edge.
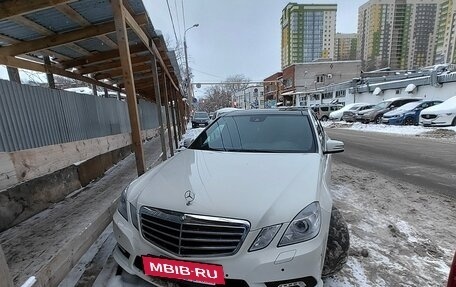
(53, 20)
(94, 45)
(66, 51)
(13, 30)
(94, 11)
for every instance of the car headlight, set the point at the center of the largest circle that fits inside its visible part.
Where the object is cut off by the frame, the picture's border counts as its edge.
(265, 237)
(305, 226)
(449, 114)
(122, 207)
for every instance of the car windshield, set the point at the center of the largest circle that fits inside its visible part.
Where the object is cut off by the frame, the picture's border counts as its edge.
(382, 105)
(273, 133)
(409, 106)
(201, 115)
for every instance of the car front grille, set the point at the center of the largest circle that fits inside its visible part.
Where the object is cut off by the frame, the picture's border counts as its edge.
(428, 116)
(188, 235)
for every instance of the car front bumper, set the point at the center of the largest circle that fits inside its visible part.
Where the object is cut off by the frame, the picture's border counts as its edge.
(440, 121)
(272, 264)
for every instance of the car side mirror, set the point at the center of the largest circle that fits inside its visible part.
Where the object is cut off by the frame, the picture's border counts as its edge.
(333, 146)
(188, 142)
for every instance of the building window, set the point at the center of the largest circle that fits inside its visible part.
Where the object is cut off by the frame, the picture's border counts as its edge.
(320, 78)
(327, 95)
(340, 94)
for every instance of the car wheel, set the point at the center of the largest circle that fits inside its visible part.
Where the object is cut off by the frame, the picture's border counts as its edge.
(324, 118)
(338, 244)
(454, 122)
(378, 119)
(409, 122)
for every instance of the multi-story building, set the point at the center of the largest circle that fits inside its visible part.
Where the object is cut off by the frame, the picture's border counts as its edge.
(272, 88)
(400, 34)
(306, 82)
(345, 46)
(251, 97)
(446, 33)
(308, 32)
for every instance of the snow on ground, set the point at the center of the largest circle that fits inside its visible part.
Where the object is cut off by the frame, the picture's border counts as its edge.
(433, 132)
(407, 232)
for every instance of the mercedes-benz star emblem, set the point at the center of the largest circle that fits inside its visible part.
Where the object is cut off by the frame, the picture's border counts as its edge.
(189, 196)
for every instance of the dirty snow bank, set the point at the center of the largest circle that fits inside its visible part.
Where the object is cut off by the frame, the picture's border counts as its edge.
(406, 231)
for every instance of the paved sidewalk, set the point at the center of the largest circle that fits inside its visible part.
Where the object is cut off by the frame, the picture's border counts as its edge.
(49, 244)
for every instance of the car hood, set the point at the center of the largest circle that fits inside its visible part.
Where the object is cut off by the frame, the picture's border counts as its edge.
(336, 114)
(396, 112)
(263, 188)
(440, 109)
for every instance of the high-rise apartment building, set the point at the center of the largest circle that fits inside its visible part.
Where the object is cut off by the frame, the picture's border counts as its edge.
(308, 32)
(345, 47)
(445, 51)
(400, 34)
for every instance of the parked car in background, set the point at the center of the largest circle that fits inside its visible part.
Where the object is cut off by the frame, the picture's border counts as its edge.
(376, 113)
(197, 214)
(337, 115)
(323, 111)
(349, 115)
(443, 114)
(200, 119)
(408, 114)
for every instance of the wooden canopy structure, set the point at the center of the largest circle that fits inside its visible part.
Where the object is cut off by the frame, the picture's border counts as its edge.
(110, 44)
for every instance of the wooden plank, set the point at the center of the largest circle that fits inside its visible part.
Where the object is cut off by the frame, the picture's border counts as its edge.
(168, 119)
(24, 64)
(21, 20)
(125, 58)
(77, 48)
(49, 76)
(173, 115)
(106, 40)
(13, 74)
(111, 65)
(149, 43)
(64, 38)
(100, 57)
(159, 110)
(10, 8)
(137, 67)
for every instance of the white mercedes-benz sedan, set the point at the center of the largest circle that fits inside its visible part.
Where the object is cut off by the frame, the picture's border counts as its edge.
(247, 204)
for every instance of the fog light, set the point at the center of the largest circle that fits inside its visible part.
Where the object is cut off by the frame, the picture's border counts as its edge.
(294, 284)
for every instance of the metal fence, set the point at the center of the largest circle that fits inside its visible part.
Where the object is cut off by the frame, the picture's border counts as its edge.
(32, 117)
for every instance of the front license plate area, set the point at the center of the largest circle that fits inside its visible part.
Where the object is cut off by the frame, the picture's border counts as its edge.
(209, 274)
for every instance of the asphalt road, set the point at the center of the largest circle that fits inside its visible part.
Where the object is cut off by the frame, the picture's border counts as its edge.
(425, 162)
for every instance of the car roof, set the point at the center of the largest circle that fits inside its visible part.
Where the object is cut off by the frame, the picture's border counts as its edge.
(288, 111)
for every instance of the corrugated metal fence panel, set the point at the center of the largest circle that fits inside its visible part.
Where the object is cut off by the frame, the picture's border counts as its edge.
(32, 117)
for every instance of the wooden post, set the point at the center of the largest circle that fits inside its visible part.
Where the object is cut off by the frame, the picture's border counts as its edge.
(173, 114)
(106, 94)
(178, 117)
(94, 90)
(159, 104)
(168, 120)
(49, 75)
(125, 58)
(5, 276)
(13, 74)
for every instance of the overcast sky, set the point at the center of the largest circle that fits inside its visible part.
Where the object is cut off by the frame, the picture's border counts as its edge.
(235, 36)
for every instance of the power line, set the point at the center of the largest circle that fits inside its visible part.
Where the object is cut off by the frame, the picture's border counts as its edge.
(178, 21)
(183, 13)
(209, 74)
(172, 21)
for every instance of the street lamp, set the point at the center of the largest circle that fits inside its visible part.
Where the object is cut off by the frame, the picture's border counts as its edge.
(189, 94)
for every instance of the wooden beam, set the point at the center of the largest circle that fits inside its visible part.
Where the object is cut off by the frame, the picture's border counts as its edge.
(173, 115)
(24, 64)
(105, 67)
(138, 67)
(134, 25)
(64, 38)
(81, 21)
(13, 74)
(178, 115)
(125, 57)
(159, 110)
(164, 90)
(10, 8)
(50, 76)
(100, 57)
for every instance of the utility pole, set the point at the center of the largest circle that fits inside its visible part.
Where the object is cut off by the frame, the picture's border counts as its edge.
(188, 81)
